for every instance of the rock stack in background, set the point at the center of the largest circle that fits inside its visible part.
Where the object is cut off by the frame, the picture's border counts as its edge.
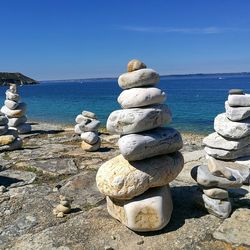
(136, 182)
(225, 149)
(87, 126)
(9, 139)
(15, 111)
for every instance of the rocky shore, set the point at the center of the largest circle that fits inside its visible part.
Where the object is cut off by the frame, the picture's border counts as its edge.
(52, 163)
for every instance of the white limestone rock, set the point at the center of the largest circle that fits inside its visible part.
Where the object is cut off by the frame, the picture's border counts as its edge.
(90, 137)
(150, 211)
(237, 113)
(18, 112)
(80, 118)
(219, 208)
(239, 100)
(230, 129)
(12, 96)
(78, 130)
(89, 114)
(13, 122)
(128, 121)
(147, 144)
(11, 104)
(140, 97)
(215, 140)
(138, 78)
(216, 193)
(227, 154)
(89, 125)
(121, 179)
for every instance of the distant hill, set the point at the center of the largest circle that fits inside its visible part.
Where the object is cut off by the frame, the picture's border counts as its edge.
(18, 78)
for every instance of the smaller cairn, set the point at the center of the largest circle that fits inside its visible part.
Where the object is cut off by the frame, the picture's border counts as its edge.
(63, 208)
(9, 139)
(227, 152)
(15, 111)
(87, 126)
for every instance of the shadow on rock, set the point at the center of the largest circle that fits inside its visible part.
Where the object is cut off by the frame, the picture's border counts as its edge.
(105, 149)
(47, 132)
(8, 181)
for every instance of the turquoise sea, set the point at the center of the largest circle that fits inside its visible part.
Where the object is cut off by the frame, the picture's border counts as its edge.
(194, 100)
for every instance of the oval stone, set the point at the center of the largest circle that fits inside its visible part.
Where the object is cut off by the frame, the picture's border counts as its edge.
(128, 121)
(150, 211)
(20, 111)
(121, 179)
(11, 104)
(90, 137)
(239, 100)
(139, 97)
(236, 92)
(90, 148)
(147, 144)
(89, 114)
(138, 78)
(135, 65)
(13, 122)
(230, 129)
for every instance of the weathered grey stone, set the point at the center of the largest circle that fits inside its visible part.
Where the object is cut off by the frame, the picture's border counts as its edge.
(3, 129)
(239, 100)
(90, 137)
(236, 92)
(3, 120)
(23, 128)
(89, 114)
(150, 211)
(13, 122)
(202, 175)
(235, 230)
(91, 147)
(227, 154)
(128, 121)
(135, 65)
(8, 138)
(18, 112)
(237, 113)
(16, 144)
(219, 208)
(12, 96)
(139, 97)
(121, 179)
(11, 104)
(158, 141)
(215, 140)
(230, 129)
(138, 78)
(89, 125)
(216, 193)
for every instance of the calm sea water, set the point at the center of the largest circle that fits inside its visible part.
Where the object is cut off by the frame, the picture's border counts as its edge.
(194, 101)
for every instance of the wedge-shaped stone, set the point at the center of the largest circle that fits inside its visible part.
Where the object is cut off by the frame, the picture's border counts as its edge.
(150, 211)
(140, 97)
(215, 140)
(219, 208)
(227, 154)
(216, 193)
(202, 175)
(128, 121)
(16, 144)
(237, 113)
(138, 78)
(89, 125)
(147, 144)
(121, 179)
(239, 100)
(20, 111)
(230, 129)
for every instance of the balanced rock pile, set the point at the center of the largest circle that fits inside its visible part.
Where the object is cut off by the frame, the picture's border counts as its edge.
(63, 208)
(227, 149)
(9, 139)
(87, 126)
(136, 182)
(15, 111)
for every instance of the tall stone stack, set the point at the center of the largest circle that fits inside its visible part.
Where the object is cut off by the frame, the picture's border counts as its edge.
(227, 149)
(87, 126)
(9, 139)
(15, 111)
(136, 182)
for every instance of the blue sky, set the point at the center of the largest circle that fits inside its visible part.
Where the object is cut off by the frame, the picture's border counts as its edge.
(65, 39)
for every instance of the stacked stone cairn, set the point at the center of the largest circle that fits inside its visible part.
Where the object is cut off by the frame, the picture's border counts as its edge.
(227, 151)
(9, 139)
(15, 111)
(63, 208)
(136, 182)
(87, 126)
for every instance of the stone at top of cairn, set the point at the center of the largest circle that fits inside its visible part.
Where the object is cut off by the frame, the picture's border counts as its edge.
(236, 92)
(13, 88)
(135, 64)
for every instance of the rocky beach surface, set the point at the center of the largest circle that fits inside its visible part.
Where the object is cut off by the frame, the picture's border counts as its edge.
(52, 163)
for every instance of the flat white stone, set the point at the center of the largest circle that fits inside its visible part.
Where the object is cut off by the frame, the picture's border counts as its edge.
(11, 104)
(147, 144)
(20, 111)
(13, 122)
(80, 118)
(90, 137)
(228, 154)
(89, 114)
(239, 100)
(128, 121)
(138, 78)
(216, 193)
(230, 129)
(237, 113)
(219, 208)
(78, 130)
(215, 140)
(139, 97)
(121, 179)
(150, 211)
(12, 96)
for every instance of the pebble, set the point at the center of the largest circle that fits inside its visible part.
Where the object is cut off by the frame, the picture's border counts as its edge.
(90, 137)
(135, 65)
(91, 147)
